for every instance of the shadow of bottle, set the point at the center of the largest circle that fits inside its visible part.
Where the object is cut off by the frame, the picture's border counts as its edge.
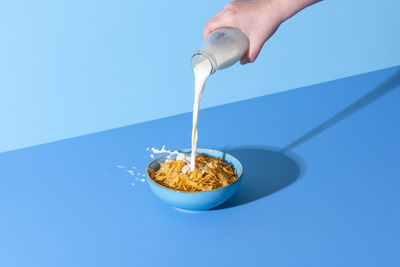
(266, 171)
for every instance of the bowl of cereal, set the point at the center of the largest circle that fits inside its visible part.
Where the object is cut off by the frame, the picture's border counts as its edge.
(215, 179)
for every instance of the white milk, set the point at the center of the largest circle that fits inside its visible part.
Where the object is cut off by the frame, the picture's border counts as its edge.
(221, 49)
(201, 72)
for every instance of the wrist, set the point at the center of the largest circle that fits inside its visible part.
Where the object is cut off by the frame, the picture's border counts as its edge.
(276, 9)
(284, 9)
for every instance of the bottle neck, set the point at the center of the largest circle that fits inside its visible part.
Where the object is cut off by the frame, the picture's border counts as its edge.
(204, 55)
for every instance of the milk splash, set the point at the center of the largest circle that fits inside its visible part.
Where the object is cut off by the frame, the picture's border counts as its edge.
(179, 156)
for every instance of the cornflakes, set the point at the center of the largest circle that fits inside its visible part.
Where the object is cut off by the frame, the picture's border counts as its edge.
(210, 174)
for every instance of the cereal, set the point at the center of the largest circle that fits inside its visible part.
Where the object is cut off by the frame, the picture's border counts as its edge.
(210, 173)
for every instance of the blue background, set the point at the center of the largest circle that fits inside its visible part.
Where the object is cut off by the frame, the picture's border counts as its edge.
(320, 187)
(321, 162)
(69, 68)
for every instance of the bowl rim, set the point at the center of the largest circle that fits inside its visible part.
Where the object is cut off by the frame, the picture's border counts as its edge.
(180, 191)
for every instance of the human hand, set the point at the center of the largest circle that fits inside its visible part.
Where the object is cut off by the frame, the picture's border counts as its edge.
(257, 19)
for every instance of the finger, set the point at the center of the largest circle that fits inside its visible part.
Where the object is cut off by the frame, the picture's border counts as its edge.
(211, 27)
(244, 60)
(253, 51)
(212, 24)
(218, 21)
(257, 44)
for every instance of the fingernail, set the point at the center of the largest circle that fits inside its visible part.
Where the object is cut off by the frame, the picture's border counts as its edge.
(244, 61)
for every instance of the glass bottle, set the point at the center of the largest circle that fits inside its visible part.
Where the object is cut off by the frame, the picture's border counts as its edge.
(222, 48)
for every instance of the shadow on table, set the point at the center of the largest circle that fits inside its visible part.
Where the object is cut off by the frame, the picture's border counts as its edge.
(385, 87)
(265, 171)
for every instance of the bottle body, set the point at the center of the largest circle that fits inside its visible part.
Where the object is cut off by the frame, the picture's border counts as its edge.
(222, 48)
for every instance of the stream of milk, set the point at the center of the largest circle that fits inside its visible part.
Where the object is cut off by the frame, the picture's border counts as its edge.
(201, 72)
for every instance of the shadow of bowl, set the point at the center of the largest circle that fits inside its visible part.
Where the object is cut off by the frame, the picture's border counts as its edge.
(266, 171)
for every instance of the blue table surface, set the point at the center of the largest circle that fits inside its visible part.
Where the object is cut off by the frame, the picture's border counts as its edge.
(322, 175)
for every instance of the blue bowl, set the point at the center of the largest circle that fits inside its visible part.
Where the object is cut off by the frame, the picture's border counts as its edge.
(195, 201)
